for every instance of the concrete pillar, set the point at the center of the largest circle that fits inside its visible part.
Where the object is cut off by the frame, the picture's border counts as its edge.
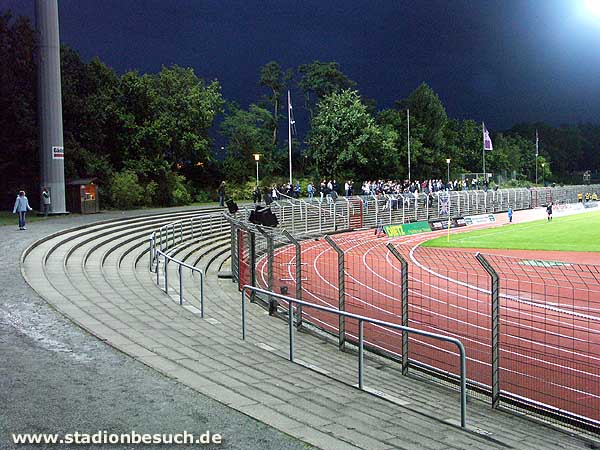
(52, 163)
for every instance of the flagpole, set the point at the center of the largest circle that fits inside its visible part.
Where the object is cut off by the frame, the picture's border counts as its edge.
(483, 140)
(536, 157)
(408, 141)
(290, 133)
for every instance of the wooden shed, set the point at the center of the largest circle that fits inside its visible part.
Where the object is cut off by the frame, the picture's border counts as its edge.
(82, 196)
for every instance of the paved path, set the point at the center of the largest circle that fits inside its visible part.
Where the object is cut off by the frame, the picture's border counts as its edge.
(57, 378)
(98, 277)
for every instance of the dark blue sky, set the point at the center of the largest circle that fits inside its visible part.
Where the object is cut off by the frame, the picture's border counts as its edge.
(500, 61)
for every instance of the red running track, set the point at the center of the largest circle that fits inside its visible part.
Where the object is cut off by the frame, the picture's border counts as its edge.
(549, 319)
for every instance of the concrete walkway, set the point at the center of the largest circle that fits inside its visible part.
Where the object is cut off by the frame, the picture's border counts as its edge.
(57, 378)
(98, 277)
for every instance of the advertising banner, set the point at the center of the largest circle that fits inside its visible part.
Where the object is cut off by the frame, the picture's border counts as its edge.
(478, 220)
(406, 229)
(442, 224)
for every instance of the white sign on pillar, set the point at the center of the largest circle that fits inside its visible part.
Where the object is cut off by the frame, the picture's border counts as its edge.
(58, 153)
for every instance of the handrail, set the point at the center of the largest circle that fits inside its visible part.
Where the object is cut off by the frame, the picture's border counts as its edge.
(361, 320)
(181, 264)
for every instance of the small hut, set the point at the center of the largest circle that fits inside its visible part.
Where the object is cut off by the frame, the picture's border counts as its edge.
(82, 196)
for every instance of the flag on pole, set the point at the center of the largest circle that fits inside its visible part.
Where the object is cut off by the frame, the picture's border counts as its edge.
(292, 120)
(487, 141)
(537, 145)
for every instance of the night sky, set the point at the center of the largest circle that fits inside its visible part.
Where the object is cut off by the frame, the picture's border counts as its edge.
(500, 61)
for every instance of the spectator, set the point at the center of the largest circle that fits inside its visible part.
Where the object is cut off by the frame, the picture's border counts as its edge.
(46, 201)
(311, 191)
(256, 196)
(221, 192)
(21, 207)
(297, 190)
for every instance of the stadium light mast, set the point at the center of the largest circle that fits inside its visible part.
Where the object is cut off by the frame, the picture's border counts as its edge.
(256, 158)
(52, 154)
(448, 163)
(291, 124)
(408, 140)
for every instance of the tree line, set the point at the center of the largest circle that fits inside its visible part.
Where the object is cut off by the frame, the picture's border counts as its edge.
(150, 139)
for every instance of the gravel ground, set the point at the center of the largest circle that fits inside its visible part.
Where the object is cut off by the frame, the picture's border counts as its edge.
(56, 378)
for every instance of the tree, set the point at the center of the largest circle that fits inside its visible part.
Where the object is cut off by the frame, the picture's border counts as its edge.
(464, 145)
(184, 111)
(273, 77)
(321, 79)
(19, 160)
(427, 109)
(344, 140)
(248, 132)
(92, 122)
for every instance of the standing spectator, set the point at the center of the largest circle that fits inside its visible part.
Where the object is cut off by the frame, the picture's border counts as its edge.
(221, 192)
(510, 214)
(46, 201)
(311, 191)
(21, 207)
(256, 196)
(549, 211)
(323, 188)
(267, 196)
(347, 188)
(297, 190)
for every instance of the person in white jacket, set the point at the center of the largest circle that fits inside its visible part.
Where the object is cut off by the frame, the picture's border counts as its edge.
(21, 207)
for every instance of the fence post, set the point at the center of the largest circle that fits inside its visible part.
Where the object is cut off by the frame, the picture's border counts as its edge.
(233, 242)
(252, 257)
(180, 286)
(150, 251)
(270, 262)
(495, 292)
(341, 292)
(157, 261)
(166, 275)
(404, 304)
(298, 276)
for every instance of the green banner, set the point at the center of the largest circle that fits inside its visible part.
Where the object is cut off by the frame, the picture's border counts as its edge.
(406, 229)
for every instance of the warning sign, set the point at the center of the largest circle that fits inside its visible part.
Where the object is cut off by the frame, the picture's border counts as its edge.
(58, 153)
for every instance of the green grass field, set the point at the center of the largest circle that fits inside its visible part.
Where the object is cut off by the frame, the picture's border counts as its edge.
(577, 233)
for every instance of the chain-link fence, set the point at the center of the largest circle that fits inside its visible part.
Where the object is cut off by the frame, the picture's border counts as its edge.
(531, 328)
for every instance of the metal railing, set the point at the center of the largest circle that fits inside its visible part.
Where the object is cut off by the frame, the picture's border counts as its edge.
(180, 264)
(165, 238)
(361, 320)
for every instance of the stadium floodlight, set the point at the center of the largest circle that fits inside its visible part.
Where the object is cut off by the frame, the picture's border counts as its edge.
(593, 6)
(256, 158)
(448, 163)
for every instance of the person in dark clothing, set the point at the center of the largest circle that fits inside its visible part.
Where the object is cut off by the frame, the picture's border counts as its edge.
(221, 192)
(256, 195)
(549, 211)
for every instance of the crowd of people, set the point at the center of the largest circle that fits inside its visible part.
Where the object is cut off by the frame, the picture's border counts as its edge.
(377, 187)
(329, 190)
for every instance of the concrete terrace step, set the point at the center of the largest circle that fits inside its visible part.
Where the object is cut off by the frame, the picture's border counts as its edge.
(98, 276)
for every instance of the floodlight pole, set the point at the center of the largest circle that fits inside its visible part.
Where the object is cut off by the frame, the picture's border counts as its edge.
(408, 141)
(52, 162)
(483, 133)
(290, 133)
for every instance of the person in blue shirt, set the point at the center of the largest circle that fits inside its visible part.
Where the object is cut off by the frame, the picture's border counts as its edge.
(510, 214)
(311, 191)
(21, 207)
